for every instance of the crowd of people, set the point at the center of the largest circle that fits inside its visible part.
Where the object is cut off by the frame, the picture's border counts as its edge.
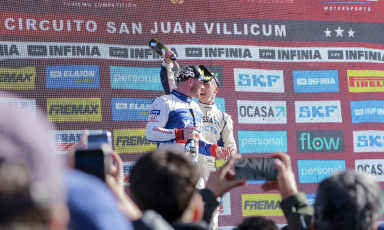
(42, 191)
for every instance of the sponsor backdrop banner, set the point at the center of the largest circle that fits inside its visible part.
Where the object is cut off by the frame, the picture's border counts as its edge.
(301, 77)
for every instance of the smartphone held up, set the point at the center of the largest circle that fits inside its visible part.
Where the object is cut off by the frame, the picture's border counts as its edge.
(96, 158)
(255, 169)
(99, 138)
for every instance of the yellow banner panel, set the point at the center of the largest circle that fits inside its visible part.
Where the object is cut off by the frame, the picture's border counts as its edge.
(132, 141)
(74, 109)
(17, 78)
(261, 205)
(360, 81)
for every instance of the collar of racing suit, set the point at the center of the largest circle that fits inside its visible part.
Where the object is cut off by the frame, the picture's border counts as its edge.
(206, 106)
(181, 96)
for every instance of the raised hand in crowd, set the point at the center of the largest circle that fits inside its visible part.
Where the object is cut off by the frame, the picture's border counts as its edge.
(223, 180)
(285, 183)
(299, 215)
(115, 181)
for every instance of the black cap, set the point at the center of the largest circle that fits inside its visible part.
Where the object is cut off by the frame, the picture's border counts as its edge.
(214, 77)
(199, 72)
(209, 75)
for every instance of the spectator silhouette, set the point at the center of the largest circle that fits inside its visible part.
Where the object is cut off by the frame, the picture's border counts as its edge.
(347, 200)
(256, 223)
(165, 181)
(24, 143)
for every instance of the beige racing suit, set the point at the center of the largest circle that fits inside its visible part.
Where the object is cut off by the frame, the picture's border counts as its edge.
(217, 128)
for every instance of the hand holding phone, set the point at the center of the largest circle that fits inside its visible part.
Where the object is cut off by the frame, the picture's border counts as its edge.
(94, 160)
(286, 182)
(255, 169)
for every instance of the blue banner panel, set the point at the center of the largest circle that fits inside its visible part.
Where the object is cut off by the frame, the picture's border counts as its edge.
(315, 81)
(314, 171)
(130, 109)
(367, 111)
(73, 77)
(123, 77)
(262, 141)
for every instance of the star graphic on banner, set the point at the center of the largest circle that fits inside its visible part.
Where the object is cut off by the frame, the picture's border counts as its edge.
(327, 33)
(339, 31)
(351, 33)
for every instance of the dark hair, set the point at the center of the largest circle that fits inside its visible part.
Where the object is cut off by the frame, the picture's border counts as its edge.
(257, 223)
(348, 200)
(187, 72)
(196, 71)
(164, 181)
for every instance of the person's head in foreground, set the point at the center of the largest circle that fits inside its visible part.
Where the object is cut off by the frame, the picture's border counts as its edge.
(164, 181)
(348, 200)
(257, 223)
(32, 180)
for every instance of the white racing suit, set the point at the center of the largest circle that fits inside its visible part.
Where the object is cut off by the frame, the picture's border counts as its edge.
(217, 127)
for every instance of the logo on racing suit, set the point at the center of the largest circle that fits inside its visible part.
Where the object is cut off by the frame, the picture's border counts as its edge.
(155, 112)
(207, 120)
